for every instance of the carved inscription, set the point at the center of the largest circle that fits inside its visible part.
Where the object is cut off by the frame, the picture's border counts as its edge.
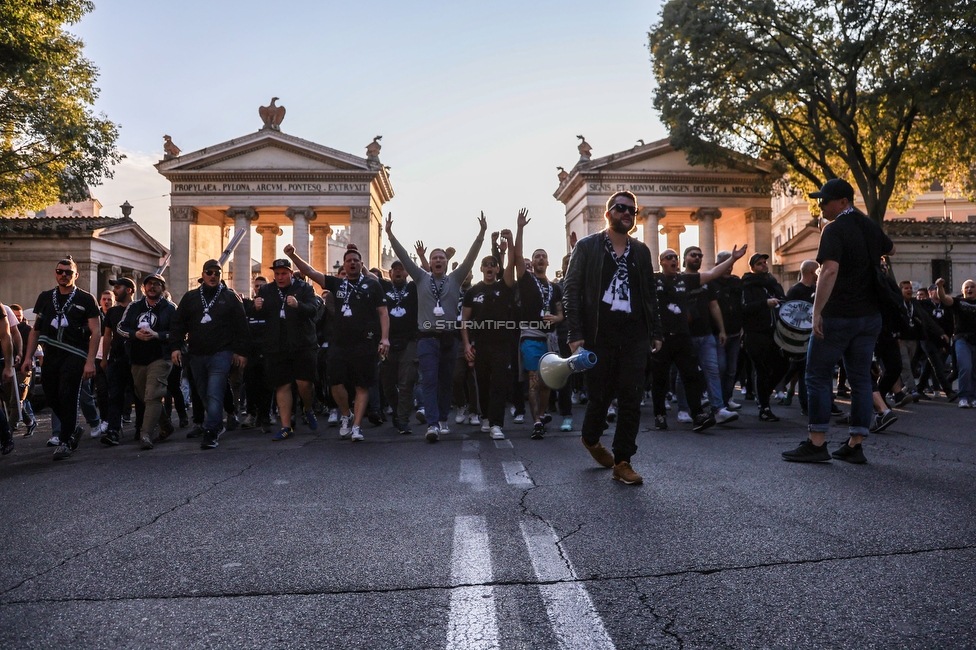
(270, 188)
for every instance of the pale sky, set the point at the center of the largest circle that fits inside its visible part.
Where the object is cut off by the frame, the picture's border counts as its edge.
(477, 103)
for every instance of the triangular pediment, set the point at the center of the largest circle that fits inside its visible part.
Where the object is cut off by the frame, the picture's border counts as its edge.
(133, 236)
(264, 150)
(662, 157)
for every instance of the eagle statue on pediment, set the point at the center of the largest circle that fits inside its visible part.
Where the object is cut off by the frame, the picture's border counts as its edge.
(272, 115)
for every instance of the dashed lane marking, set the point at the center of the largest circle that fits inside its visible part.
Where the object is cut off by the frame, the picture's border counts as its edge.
(516, 474)
(471, 473)
(472, 623)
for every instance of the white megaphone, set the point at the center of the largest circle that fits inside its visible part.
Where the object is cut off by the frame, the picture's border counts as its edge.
(555, 370)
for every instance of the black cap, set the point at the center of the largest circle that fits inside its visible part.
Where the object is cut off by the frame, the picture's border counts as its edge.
(756, 257)
(283, 263)
(396, 263)
(210, 264)
(152, 277)
(126, 282)
(835, 188)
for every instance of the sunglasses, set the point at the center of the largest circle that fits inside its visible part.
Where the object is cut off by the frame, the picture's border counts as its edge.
(212, 272)
(670, 256)
(154, 284)
(822, 202)
(67, 272)
(620, 207)
(695, 255)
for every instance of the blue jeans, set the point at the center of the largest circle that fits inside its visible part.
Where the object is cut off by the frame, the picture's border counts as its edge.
(854, 340)
(87, 401)
(707, 349)
(728, 365)
(210, 376)
(965, 354)
(437, 355)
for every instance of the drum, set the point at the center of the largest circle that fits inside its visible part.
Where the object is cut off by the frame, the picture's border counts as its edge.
(794, 324)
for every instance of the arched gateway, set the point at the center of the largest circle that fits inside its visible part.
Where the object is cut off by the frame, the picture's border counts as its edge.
(269, 179)
(729, 205)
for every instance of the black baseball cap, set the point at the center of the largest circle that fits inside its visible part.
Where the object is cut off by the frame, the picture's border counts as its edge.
(396, 263)
(283, 263)
(154, 277)
(125, 282)
(835, 188)
(211, 264)
(756, 257)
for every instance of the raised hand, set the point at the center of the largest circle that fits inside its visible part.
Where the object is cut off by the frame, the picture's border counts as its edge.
(483, 222)
(523, 218)
(289, 250)
(389, 224)
(737, 253)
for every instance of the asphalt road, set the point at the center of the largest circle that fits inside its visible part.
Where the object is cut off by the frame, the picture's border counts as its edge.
(316, 542)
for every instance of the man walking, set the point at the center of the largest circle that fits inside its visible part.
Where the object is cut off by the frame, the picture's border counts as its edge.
(846, 321)
(212, 321)
(398, 372)
(761, 298)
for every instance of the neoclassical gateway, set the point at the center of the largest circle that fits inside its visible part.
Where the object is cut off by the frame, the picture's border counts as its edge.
(269, 179)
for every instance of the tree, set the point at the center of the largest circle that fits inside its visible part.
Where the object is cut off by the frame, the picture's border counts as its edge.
(52, 145)
(881, 92)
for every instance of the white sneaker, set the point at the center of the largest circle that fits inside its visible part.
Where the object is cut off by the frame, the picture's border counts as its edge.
(964, 403)
(357, 434)
(511, 410)
(432, 433)
(474, 420)
(734, 406)
(420, 415)
(333, 417)
(100, 429)
(567, 424)
(462, 415)
(611, 413)
(725, 415)
(344, 430)
(496, 433)
(519, 419)
(55, 440)
(684, 417)
(485, 426)
(575, 399)
(443, 428)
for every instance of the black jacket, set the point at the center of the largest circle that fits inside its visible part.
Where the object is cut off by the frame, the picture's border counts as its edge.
(582, 288)
(757, 316)
(299, 323)
(142, 353)
(225, 331)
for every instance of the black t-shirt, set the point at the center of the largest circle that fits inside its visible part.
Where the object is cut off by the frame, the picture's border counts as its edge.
(941, 315)
(620, 327)
(492, 311)
(63, 322)
(728, 292)
(964, 312)
(672, 300)
(699, 314)
(111, 321)
(843, 241)
(356, 321)
(402, 305)
(536, 302)
(800, 291)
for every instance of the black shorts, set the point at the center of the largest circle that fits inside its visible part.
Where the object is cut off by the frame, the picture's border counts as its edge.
(352, 366)
(281, 370)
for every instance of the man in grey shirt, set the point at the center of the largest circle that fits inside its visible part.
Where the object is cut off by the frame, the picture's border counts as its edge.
(437, 309)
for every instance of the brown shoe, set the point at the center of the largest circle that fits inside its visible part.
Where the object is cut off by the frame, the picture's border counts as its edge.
(600, 453)
(624, 473)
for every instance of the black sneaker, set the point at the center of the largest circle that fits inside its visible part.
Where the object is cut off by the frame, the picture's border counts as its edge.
(902, 399)
(195, 432)
(374, 418)
(33, 425)
(703, 421)
(546, 419)
(538, 431)
(835, 410)
(75, 438)
(850, 454)
(661, 422)
(63, 451)
(8, 446)
(767, 415)
(808, 452)
(883, 420)
(184, 422)
(232, 423)
(111, 437)
(209, 440)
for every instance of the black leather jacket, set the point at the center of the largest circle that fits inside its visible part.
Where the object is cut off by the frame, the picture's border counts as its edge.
(582, 288)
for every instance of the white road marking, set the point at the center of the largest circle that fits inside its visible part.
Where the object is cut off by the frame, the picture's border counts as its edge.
(471, 473)
(503, 444)
(516, 474)
(470, 445)
(472, 623)
(575, 621)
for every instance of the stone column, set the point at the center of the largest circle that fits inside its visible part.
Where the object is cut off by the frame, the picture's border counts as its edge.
(706, 234)
(759, 230)
(88, 277)
(181, 218)
(652, 229)
(320, 247)
(242, 254)
(359, 232)
(300, 218)
(269, 246)
(595, 218)
(137, 278)
(672, 231)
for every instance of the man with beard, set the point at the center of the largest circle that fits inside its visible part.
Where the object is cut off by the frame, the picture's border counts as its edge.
(936, 350)
(488, 308)
(259, 393)
(212, 320)
(146, 326)
(611, 308)
(362, 330)
(116, 363)
(67, 323)
(761, 297)
(438, 298)
(541, 310)
(728, 293)
(289, 306)
(398, 372)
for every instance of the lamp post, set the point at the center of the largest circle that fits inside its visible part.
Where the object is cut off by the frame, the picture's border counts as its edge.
(126, 209)
(337, 267)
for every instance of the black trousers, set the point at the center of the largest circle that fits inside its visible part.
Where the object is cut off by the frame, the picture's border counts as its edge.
(678, 351)
(770, 362)
(61, 377)
(889, 356)
(259, 393)
(493, 369)
(619, 373)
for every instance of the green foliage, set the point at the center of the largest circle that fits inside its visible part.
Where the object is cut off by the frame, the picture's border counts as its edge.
(52, 146)
(880, 92)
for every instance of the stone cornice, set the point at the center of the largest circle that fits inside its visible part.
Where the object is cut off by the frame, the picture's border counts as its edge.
(579, 178)
(223, 175)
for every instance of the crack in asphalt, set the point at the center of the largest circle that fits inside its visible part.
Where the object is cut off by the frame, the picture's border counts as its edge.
(186, 501)
(490, 583)
(668, 622)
